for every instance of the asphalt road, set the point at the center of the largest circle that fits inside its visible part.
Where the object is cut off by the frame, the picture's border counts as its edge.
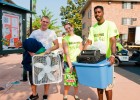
(127, 83)
(130, 71)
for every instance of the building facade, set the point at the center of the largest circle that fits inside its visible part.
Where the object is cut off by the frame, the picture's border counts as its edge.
(125, 13)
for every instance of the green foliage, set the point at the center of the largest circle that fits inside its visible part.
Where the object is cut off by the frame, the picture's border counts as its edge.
(34, 5)
(45, 12)
(71, 14)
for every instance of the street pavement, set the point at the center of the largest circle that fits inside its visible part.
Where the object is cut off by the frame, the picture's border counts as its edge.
(127, 83)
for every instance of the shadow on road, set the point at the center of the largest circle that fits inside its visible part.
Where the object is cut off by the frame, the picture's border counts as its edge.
(129, 71)
(85, 93)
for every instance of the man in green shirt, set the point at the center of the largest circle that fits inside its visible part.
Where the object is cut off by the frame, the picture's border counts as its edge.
(103, 36)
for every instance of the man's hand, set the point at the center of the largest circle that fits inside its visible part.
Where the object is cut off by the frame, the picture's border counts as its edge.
(71, 69)
(31, 53)
(112, 59)
(48, 51)
(88, 42)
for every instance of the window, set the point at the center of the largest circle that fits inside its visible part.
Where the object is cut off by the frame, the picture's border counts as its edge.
(83, 25)
(89, 14)
(127, 5)
(134, 19)
(127, 21)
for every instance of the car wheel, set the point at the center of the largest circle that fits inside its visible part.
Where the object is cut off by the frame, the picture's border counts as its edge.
(117, 62)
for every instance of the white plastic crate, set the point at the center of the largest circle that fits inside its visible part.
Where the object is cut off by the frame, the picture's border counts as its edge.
(46, 69)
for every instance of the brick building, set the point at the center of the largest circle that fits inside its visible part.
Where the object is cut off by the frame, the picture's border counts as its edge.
(125, 13)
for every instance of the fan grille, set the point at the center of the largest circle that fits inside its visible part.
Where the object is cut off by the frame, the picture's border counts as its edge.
(55, 61)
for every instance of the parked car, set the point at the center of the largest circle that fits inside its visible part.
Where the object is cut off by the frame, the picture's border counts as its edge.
(123, 56)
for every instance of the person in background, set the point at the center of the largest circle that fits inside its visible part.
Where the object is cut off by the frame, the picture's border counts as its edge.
(103, 33)
(72, 46)
(42, 38)
(119, 47)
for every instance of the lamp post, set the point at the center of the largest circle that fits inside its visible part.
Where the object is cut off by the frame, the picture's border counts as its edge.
(31, 16)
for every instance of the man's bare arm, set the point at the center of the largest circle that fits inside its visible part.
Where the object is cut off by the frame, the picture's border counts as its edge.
(113, 49)
(88, 42)
(56, 46)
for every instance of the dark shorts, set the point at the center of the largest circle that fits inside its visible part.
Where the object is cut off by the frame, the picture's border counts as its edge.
(31, 78)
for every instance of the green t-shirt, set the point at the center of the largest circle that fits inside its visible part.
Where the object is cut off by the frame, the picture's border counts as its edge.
(101, 34)
(120, 47)
(73, 43)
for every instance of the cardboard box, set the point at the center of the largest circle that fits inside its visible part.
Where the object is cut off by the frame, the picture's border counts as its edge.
(98, 75)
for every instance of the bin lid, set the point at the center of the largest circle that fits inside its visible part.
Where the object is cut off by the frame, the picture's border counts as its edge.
(102, 63)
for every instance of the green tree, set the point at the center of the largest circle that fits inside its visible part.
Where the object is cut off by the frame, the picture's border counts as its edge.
(45, 12)
(71, 14)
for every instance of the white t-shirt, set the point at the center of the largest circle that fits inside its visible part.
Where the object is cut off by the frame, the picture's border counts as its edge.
(45, 37)
(60, 40)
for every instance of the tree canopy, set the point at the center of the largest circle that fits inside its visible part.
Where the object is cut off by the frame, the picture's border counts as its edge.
(71, 14)
(45, 12)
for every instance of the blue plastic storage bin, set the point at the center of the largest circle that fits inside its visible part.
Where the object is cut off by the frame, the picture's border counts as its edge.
(98, 75)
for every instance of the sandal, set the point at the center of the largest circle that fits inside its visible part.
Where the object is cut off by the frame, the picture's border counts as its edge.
(65, 98)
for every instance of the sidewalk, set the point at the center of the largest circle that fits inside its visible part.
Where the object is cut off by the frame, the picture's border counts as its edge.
(11, 71)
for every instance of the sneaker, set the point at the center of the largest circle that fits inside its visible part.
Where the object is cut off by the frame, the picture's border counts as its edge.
(65, 98)
(76, 97)
(1, 88)
(45, 97)
(33, 97)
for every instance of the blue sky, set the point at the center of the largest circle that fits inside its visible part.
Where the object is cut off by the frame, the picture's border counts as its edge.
(52, 5)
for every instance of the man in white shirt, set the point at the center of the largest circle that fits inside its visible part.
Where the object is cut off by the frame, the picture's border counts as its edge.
(46, 37)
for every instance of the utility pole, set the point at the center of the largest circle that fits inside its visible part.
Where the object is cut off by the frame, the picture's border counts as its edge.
(31, 16)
